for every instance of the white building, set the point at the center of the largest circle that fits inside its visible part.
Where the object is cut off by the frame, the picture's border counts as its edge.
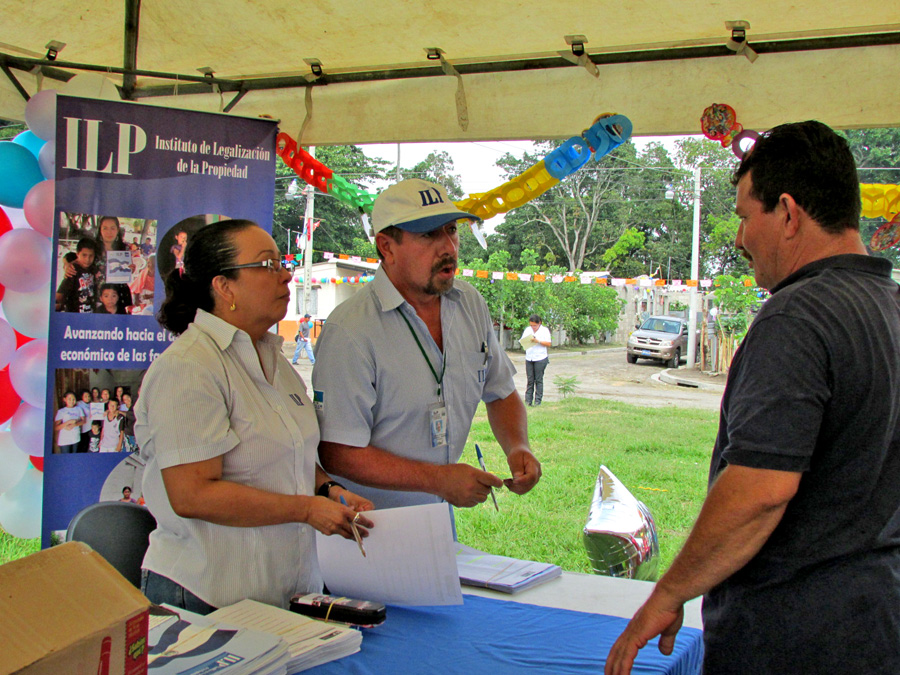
(324, 297)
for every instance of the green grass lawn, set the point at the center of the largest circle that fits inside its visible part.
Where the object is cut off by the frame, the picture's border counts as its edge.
(12, 548)
(661, 455)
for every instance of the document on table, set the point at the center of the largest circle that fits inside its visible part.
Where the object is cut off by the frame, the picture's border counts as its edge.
(410, 559)
(188, 643)
(310, 642)
(500, 573)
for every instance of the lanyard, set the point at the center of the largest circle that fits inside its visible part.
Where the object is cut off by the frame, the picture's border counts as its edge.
(439, 380)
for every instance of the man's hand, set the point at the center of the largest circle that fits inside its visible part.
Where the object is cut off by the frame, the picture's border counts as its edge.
(656, 617)
(354, 501)
(526, 471)
(463, 485)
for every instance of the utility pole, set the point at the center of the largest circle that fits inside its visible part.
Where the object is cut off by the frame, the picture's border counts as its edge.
(308, 243)
(695, 274)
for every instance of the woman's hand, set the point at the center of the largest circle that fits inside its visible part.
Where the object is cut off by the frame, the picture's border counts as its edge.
(329, 517)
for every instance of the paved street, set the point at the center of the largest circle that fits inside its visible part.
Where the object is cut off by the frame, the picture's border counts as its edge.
(605, 374)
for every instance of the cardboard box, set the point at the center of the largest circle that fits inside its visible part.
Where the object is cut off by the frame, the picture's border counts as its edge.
(66, 611)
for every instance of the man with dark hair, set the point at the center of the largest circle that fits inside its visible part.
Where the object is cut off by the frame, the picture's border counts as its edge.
(402, 365)
(797, 546)
(303, 341)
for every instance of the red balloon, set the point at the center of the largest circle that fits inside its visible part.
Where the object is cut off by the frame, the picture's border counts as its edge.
(9, 399)
(21, 339)
(2, 291)
(37, 462)
(5, 222)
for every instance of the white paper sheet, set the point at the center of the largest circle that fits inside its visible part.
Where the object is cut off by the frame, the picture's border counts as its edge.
(410, 559)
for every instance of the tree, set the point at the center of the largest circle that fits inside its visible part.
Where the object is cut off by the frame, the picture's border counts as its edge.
(11, 130)
(717, 248)
(736, 299)
(619, 258)
(717, 165)
(438, 168)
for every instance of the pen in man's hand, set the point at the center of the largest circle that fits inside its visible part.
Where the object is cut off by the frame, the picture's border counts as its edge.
(481, 462)
(355, 530)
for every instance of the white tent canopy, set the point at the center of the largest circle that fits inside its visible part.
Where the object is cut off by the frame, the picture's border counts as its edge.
(346, 71)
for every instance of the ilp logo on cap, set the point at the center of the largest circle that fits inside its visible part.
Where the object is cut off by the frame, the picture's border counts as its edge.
(415, 205)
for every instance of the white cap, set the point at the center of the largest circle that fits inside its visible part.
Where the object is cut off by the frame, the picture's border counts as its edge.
(415, 205)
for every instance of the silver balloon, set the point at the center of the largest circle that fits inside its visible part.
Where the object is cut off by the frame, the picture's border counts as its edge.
(620, 535)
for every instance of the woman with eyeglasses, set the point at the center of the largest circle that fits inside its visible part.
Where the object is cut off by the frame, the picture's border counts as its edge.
(229, 437)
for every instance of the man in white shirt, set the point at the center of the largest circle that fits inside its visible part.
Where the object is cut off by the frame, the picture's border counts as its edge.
(536, 358)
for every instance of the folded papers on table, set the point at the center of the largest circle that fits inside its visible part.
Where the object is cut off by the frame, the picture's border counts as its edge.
(499, 573)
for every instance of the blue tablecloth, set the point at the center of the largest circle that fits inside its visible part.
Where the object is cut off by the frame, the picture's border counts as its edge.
(497, 636)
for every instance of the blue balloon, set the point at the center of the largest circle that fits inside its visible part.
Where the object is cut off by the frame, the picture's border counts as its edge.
(19, 172)
(27, 139)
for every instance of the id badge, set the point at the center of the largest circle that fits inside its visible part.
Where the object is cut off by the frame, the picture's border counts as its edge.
(437, 414)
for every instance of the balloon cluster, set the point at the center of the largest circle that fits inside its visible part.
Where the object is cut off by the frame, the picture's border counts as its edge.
(607, 133)
(27, 167)
(27, 211)
(335, 280)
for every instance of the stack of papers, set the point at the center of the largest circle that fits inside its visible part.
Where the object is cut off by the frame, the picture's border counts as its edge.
(310, 642)
(189, 643)
(500, 573)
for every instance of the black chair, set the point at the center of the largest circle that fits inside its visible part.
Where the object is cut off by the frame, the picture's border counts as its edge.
(118, 531)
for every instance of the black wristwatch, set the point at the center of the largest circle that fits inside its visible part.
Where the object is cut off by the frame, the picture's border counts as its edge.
(325, 487)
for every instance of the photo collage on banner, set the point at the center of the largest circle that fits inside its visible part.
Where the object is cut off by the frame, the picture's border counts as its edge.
(133, 183)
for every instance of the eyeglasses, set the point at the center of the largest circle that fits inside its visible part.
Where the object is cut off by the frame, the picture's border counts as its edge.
(272, 264)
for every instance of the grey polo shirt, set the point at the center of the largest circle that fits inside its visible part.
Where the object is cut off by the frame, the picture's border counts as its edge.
(372, 385)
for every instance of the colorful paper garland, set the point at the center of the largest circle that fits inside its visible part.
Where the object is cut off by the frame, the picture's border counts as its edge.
(607, 133)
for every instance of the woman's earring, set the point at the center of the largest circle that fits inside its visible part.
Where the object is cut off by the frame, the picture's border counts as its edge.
(233, 307)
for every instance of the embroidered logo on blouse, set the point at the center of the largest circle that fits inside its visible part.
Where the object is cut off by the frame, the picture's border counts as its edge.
(296, 399)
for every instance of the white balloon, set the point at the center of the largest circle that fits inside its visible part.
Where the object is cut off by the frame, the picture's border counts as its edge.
(91, 85)
(27, 428)
(20, 506)
(7, 343)
(13, 462)
(28, 372)
(28, 313)
(47, 159)
(40, 113)
(24, 260)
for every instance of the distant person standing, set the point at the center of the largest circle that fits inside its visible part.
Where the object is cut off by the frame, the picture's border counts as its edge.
(712, 326)
(536, 358)
(302, 340)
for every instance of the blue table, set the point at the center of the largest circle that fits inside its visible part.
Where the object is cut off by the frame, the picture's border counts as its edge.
(495, 637)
